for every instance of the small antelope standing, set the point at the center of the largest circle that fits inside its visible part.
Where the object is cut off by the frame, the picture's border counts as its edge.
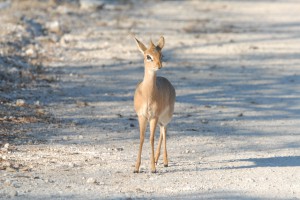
(154, 100)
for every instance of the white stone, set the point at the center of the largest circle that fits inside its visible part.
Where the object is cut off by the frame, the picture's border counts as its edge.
(91, 4)
(20, 102)
(6, 146)
(91, 180)
(53, 26)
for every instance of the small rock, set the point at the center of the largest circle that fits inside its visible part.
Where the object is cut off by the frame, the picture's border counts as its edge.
(11, 118)
(6, 146)
(131, 125)
(37, 103)
(16, 185)
(53, 26)
(30, 52)
(13, 70)
(91, 4)
(72, 165)
(253, 102)
(81, 103)
(119, 149)
(187, 151)
(65, 138)
(16, 166)
(204, 121)
(251, 180)
(240, 115)
(77, 122)
(29, 142)
(253, 47)
(80, 137)
(20, 102)
(40, 112)
(91, 180)
(139, 190)
(49, 181)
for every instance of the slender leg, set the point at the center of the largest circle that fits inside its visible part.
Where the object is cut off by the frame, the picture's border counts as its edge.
(157, 154)
(164, 133)
(143, 126)
(153, 123)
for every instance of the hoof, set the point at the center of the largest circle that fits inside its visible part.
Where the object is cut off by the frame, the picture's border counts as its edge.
(166, 165)
(153, 171)
(136, 171)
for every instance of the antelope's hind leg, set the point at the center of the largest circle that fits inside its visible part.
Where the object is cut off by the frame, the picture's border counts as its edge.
(164, 136)
(157, 154)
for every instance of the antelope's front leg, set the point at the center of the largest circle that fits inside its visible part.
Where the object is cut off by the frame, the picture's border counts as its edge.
(153, 123)
(143, 126)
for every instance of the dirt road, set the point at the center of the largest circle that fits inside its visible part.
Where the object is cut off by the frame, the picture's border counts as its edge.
(69, 70)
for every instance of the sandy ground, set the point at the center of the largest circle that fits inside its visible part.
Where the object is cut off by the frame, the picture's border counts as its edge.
(235, 131)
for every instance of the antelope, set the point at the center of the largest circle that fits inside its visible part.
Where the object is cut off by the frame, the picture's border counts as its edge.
(154, 100)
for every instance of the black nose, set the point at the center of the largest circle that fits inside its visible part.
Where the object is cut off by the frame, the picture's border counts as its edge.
(159, 65)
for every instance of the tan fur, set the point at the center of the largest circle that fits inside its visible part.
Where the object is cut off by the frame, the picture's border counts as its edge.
(154, 100)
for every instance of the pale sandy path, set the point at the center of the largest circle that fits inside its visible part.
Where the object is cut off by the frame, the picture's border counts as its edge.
(235, 133)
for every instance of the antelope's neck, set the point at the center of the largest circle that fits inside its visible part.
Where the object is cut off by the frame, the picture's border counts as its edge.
(149, 84)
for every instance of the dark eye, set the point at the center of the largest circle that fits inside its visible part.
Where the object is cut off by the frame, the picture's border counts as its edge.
(149, 58)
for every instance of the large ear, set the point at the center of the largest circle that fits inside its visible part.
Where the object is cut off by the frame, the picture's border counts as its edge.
(140, 45)
(160, 43)
(151, 45)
